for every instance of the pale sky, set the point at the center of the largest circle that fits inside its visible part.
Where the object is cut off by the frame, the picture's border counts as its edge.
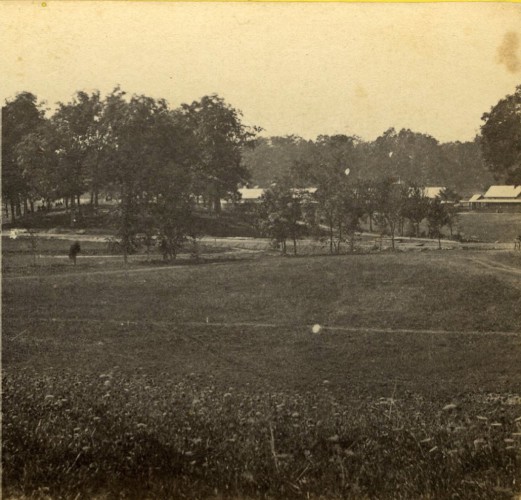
(291, 68)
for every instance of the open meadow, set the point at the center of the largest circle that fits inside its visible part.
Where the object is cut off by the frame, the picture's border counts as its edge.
(208, 381)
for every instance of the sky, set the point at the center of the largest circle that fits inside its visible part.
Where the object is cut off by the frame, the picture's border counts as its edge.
(293, 68)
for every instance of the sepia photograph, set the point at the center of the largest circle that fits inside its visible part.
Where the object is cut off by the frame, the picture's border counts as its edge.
(260, 250)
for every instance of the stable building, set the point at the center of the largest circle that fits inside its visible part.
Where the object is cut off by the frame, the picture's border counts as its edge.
(498, 199)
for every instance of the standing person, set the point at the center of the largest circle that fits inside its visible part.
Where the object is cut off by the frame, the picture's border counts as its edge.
(74, 251)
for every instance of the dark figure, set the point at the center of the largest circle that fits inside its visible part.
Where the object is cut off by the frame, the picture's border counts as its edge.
(74, 251)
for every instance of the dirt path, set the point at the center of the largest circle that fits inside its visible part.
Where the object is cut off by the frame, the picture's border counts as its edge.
(496, 266)
(254, 325)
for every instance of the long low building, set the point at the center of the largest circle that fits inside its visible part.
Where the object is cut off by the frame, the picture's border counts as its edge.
(254, 195)
(498, 199)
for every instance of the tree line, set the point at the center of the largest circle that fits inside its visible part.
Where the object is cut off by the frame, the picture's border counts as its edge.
(336, 210)
(403, 154)
(158, 162)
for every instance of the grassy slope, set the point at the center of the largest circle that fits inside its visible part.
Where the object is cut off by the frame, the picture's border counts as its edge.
(396, 291)
(165, 409)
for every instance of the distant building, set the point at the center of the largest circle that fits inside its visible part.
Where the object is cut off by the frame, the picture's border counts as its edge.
(432, 192)
(254, 195)
(251, 195)
(498, 199)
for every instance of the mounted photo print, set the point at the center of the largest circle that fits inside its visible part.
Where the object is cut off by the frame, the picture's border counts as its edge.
(261, 250)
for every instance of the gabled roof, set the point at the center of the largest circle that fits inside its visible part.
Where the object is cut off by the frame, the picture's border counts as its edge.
(476, 197)
(503, 192)
(432, 192)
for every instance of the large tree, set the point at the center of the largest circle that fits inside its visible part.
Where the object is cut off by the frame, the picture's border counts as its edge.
(221, 137)
(133, 150)
(37, 155)
(77, 124)
(437, 217)
(390, 199)
(415, 206)
(501, 138)
(407, 155)
(20, 117)
(274, 157)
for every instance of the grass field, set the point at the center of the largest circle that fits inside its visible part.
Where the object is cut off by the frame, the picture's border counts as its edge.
(484, 226)
(207, 380)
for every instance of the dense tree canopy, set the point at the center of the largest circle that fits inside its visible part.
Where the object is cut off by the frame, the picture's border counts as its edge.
(502, 138)
(404, 155)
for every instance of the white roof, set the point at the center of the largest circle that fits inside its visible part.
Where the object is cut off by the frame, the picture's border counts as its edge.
(503, 192)
(432, 192)
(476, 197)
(251, 193)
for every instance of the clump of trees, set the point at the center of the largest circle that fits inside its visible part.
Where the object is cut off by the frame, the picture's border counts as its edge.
(336, 210)
(280, 215)
(156, 161)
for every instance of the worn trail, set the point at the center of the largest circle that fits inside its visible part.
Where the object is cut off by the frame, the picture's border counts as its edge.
(255, 325)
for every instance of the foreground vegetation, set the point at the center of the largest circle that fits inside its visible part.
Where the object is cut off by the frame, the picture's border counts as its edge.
(116, 434)
(207, 381)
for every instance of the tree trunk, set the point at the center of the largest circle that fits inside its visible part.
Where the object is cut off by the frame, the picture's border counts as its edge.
(439, 242)
(18, 208)
(96, 198)
(92, 197)
(26, 206)
(217, 204)
(73, 201)
(370, 223)
(32, 206)
(294, 246)
(331, 239)
(13, 216)
(283, 247)
(66, 203)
